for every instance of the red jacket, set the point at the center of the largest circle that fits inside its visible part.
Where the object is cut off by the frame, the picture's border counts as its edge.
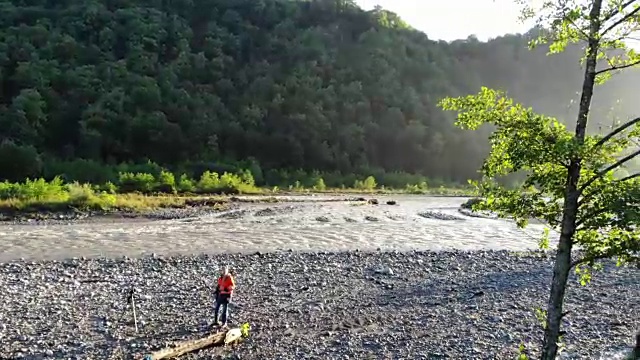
(226, 285)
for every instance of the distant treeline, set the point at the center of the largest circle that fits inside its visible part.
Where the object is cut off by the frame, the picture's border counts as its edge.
(320, 85)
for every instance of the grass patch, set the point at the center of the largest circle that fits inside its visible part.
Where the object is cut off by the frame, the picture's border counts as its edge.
(55, 196)
(143, 191)
(141, 202)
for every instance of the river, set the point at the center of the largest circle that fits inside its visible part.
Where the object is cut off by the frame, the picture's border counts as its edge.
(307, 223)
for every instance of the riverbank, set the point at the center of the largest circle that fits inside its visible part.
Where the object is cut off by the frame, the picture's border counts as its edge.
(164, 207)
(39, 200)
(413, 305)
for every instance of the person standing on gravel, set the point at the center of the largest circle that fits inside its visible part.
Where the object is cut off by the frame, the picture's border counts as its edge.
(224, 294)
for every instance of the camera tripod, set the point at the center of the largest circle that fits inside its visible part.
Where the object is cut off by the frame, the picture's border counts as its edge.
(130, 298)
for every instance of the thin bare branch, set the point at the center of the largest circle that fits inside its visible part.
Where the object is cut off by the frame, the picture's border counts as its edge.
(626, 35)
(582, 32)
(601, 173)
(616, 131)
(618, 67)
(630, 177)
(622, 19)
(617, 10)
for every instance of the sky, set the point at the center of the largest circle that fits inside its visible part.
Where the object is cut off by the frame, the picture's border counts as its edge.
(455, 19)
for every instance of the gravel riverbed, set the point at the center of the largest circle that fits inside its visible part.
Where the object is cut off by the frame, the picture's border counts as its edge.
(313, 305)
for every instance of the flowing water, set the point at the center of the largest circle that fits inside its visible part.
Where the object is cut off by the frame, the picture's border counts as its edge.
(308, 223)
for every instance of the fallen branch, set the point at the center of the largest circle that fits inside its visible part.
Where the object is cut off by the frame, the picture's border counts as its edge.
(222, 338)
(187, 347)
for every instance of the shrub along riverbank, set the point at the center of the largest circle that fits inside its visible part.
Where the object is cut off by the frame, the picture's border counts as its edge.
(145, 191)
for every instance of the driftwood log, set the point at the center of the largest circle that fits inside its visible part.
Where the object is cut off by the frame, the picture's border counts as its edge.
(188, 346)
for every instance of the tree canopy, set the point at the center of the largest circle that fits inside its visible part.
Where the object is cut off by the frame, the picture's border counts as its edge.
(540, 145)
(316, 85)
(572, 178)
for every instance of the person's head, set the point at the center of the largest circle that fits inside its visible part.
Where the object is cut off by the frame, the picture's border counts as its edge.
(224, 270)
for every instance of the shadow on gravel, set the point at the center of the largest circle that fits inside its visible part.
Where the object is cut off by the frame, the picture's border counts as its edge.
(439, 291)
(79, 352)
(507, 281)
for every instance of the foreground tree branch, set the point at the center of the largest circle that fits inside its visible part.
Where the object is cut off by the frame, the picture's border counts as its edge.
(593, 258)
(630, 177)
(618, 67)
(585, 199)
(582, 31)
(601, 173)
(623, 19)
(615, 11)
(615, 132)
(590, 215)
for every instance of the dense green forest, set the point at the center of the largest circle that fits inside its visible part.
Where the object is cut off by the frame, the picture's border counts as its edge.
(197, 85)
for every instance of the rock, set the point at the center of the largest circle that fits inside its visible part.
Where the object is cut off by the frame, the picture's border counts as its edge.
(265, 212)
(391, 202)
(438, 216)
(372, 202)
(385, 270)
(484, 215)
(234, 214)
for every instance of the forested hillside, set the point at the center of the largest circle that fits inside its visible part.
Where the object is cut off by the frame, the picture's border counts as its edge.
(278, 84)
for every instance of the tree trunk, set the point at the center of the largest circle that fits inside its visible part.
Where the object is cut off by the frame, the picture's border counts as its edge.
(562, 265)
(560, 275)
(635, 354)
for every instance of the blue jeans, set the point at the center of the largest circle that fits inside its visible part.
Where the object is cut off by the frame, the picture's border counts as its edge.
(222, 301)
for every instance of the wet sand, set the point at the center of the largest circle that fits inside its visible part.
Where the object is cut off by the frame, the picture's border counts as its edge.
(310, 223)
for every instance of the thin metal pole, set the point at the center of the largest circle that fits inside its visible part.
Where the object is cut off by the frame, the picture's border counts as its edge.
(133, 305)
